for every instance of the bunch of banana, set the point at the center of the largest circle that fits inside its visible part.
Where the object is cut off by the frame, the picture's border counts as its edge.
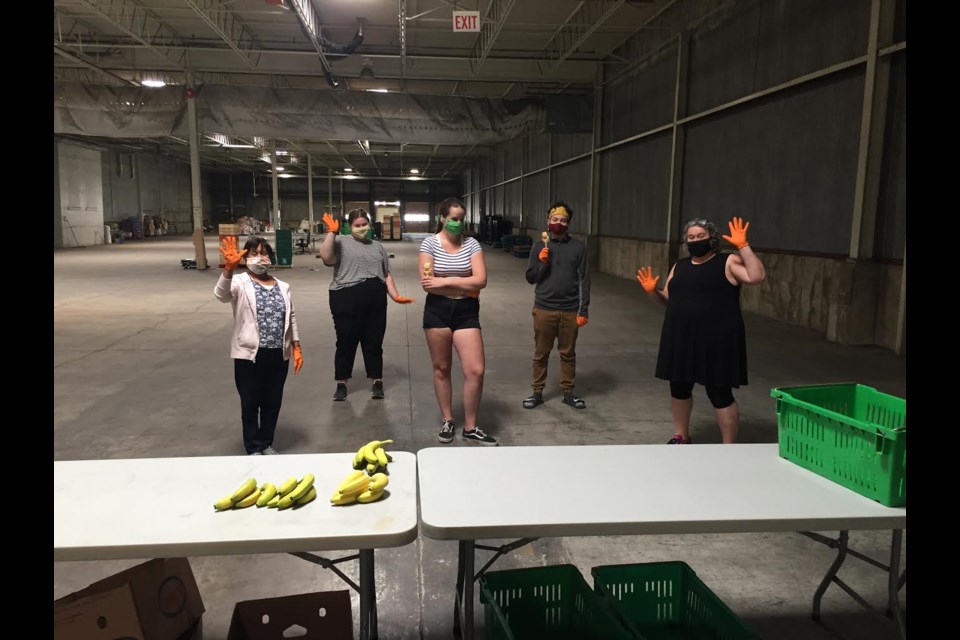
(358, 487)
(372, 457)
(291, 492)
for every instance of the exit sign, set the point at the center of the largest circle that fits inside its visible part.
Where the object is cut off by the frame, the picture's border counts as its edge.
(466, 21)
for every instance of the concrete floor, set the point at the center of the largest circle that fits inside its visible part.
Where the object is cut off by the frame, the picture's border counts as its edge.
(141, 369)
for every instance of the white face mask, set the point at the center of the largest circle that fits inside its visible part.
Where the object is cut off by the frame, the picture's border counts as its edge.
(258, 265)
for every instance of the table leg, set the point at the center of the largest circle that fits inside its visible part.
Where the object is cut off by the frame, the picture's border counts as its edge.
(368, 596)
(463, 601)
(834, 568)
(895, 581)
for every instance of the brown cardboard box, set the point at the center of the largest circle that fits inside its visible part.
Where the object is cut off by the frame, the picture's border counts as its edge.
(323, 615)
(156, 600)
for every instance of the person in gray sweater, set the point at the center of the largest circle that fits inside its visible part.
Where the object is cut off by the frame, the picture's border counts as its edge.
(558, 267)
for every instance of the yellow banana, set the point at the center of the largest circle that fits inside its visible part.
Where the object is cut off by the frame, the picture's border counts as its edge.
(274, 500)
(544, 236)
(266, 494)
(356, 486)
(371, 468)
(305, 483)
(356, 475)
(378, 482)
(308, 498)
(288, 485)
(369, 496)
(223, 504)
(368, 450)
(338, 499)
(358, 459)
(244, 490)
(250, 500)
(286, 501)
(381, 456)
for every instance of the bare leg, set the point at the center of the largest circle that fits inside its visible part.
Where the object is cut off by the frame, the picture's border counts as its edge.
(440, 343)
(469, 345)
(728, 419)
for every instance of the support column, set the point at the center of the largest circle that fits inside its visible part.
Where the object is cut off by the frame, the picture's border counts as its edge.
(310, 194)
(674, 222)
(195, 192)
(853, 313)
(275, 212)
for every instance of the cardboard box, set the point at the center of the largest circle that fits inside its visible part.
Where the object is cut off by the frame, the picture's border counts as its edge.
(157, 600)
(324, 615)
(229, 230)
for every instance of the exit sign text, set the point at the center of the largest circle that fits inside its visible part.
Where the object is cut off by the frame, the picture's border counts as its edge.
(466, 21)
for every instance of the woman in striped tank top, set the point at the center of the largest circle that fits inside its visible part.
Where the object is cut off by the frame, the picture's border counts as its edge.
(452, 272)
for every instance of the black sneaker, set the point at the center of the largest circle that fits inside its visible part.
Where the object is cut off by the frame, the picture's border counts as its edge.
(377, 391)
(341, 393)
(446, 432)
(679, 439)
(535, 399)
(480, 437)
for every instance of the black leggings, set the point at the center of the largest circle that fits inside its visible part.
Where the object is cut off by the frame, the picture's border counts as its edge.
(720, 397)
(359, 318)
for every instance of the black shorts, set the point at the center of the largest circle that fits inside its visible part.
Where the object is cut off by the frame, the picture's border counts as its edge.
(441, 312)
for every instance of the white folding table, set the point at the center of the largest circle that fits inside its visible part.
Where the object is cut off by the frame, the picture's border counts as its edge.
(163, 507)
(533, 492)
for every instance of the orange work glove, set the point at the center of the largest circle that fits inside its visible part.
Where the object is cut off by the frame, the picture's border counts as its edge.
(333, 226)
(582, 321)
(231, 258)
(646, 279)
(403, 300)
(544, 256)
(297, 359)
(738, 233)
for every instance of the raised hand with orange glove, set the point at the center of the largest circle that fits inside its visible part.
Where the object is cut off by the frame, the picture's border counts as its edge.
(646, 279)
(333, 226)
(582, 321)
(738, 233)
(231, 257)
(402, 299)
(544, 255)
(297, 359)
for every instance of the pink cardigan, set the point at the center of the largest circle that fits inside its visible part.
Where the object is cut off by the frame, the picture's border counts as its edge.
(238, 290)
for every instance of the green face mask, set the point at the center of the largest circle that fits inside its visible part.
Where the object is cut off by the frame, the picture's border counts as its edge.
(454, 227)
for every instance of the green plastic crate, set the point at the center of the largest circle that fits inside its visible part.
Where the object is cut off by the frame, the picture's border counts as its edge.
(849, 433)
(545, 602)
(667, 601)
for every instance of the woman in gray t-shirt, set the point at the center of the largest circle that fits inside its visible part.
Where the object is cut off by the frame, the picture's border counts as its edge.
(361, 281)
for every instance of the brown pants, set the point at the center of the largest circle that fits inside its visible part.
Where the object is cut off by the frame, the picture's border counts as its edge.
(550, 326)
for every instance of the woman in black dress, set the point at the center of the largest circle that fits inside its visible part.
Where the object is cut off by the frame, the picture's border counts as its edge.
(702, 340)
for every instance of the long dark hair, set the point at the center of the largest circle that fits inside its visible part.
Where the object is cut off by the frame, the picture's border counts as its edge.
(255, 241)
(444, 210)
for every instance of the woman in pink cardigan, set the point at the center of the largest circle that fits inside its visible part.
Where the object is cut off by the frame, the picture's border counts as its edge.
(264, 337)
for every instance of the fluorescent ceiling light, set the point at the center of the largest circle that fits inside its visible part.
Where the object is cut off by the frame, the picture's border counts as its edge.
(416, 217)
(378, 90)
(279, 168)
(413, 178)
(348, 169)
(349, 177)
(153, 83)
(414, 170)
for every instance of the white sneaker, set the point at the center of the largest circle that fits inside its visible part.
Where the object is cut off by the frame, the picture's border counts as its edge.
(270, 451)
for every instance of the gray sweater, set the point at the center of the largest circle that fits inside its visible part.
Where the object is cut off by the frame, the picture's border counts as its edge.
(563, 284)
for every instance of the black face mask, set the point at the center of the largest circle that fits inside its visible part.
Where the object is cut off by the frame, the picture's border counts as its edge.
(699, 248)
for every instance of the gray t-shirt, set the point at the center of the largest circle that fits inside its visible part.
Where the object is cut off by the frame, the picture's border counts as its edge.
(358, 261)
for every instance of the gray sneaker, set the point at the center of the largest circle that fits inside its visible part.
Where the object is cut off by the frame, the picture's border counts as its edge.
(255, 453)
(270, 451)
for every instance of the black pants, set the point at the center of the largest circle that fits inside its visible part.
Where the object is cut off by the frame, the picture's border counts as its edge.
(260, 385)
(720, 397)
(359, 317)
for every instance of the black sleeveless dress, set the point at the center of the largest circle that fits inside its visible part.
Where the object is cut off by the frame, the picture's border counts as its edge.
(703, 339)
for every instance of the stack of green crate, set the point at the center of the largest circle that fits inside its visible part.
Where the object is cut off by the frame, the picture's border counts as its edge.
(284, 248)
(666, 601)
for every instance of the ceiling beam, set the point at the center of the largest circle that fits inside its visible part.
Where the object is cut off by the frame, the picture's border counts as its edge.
(139, 24)
(230, 29)
(493, 21)
(579, 26)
